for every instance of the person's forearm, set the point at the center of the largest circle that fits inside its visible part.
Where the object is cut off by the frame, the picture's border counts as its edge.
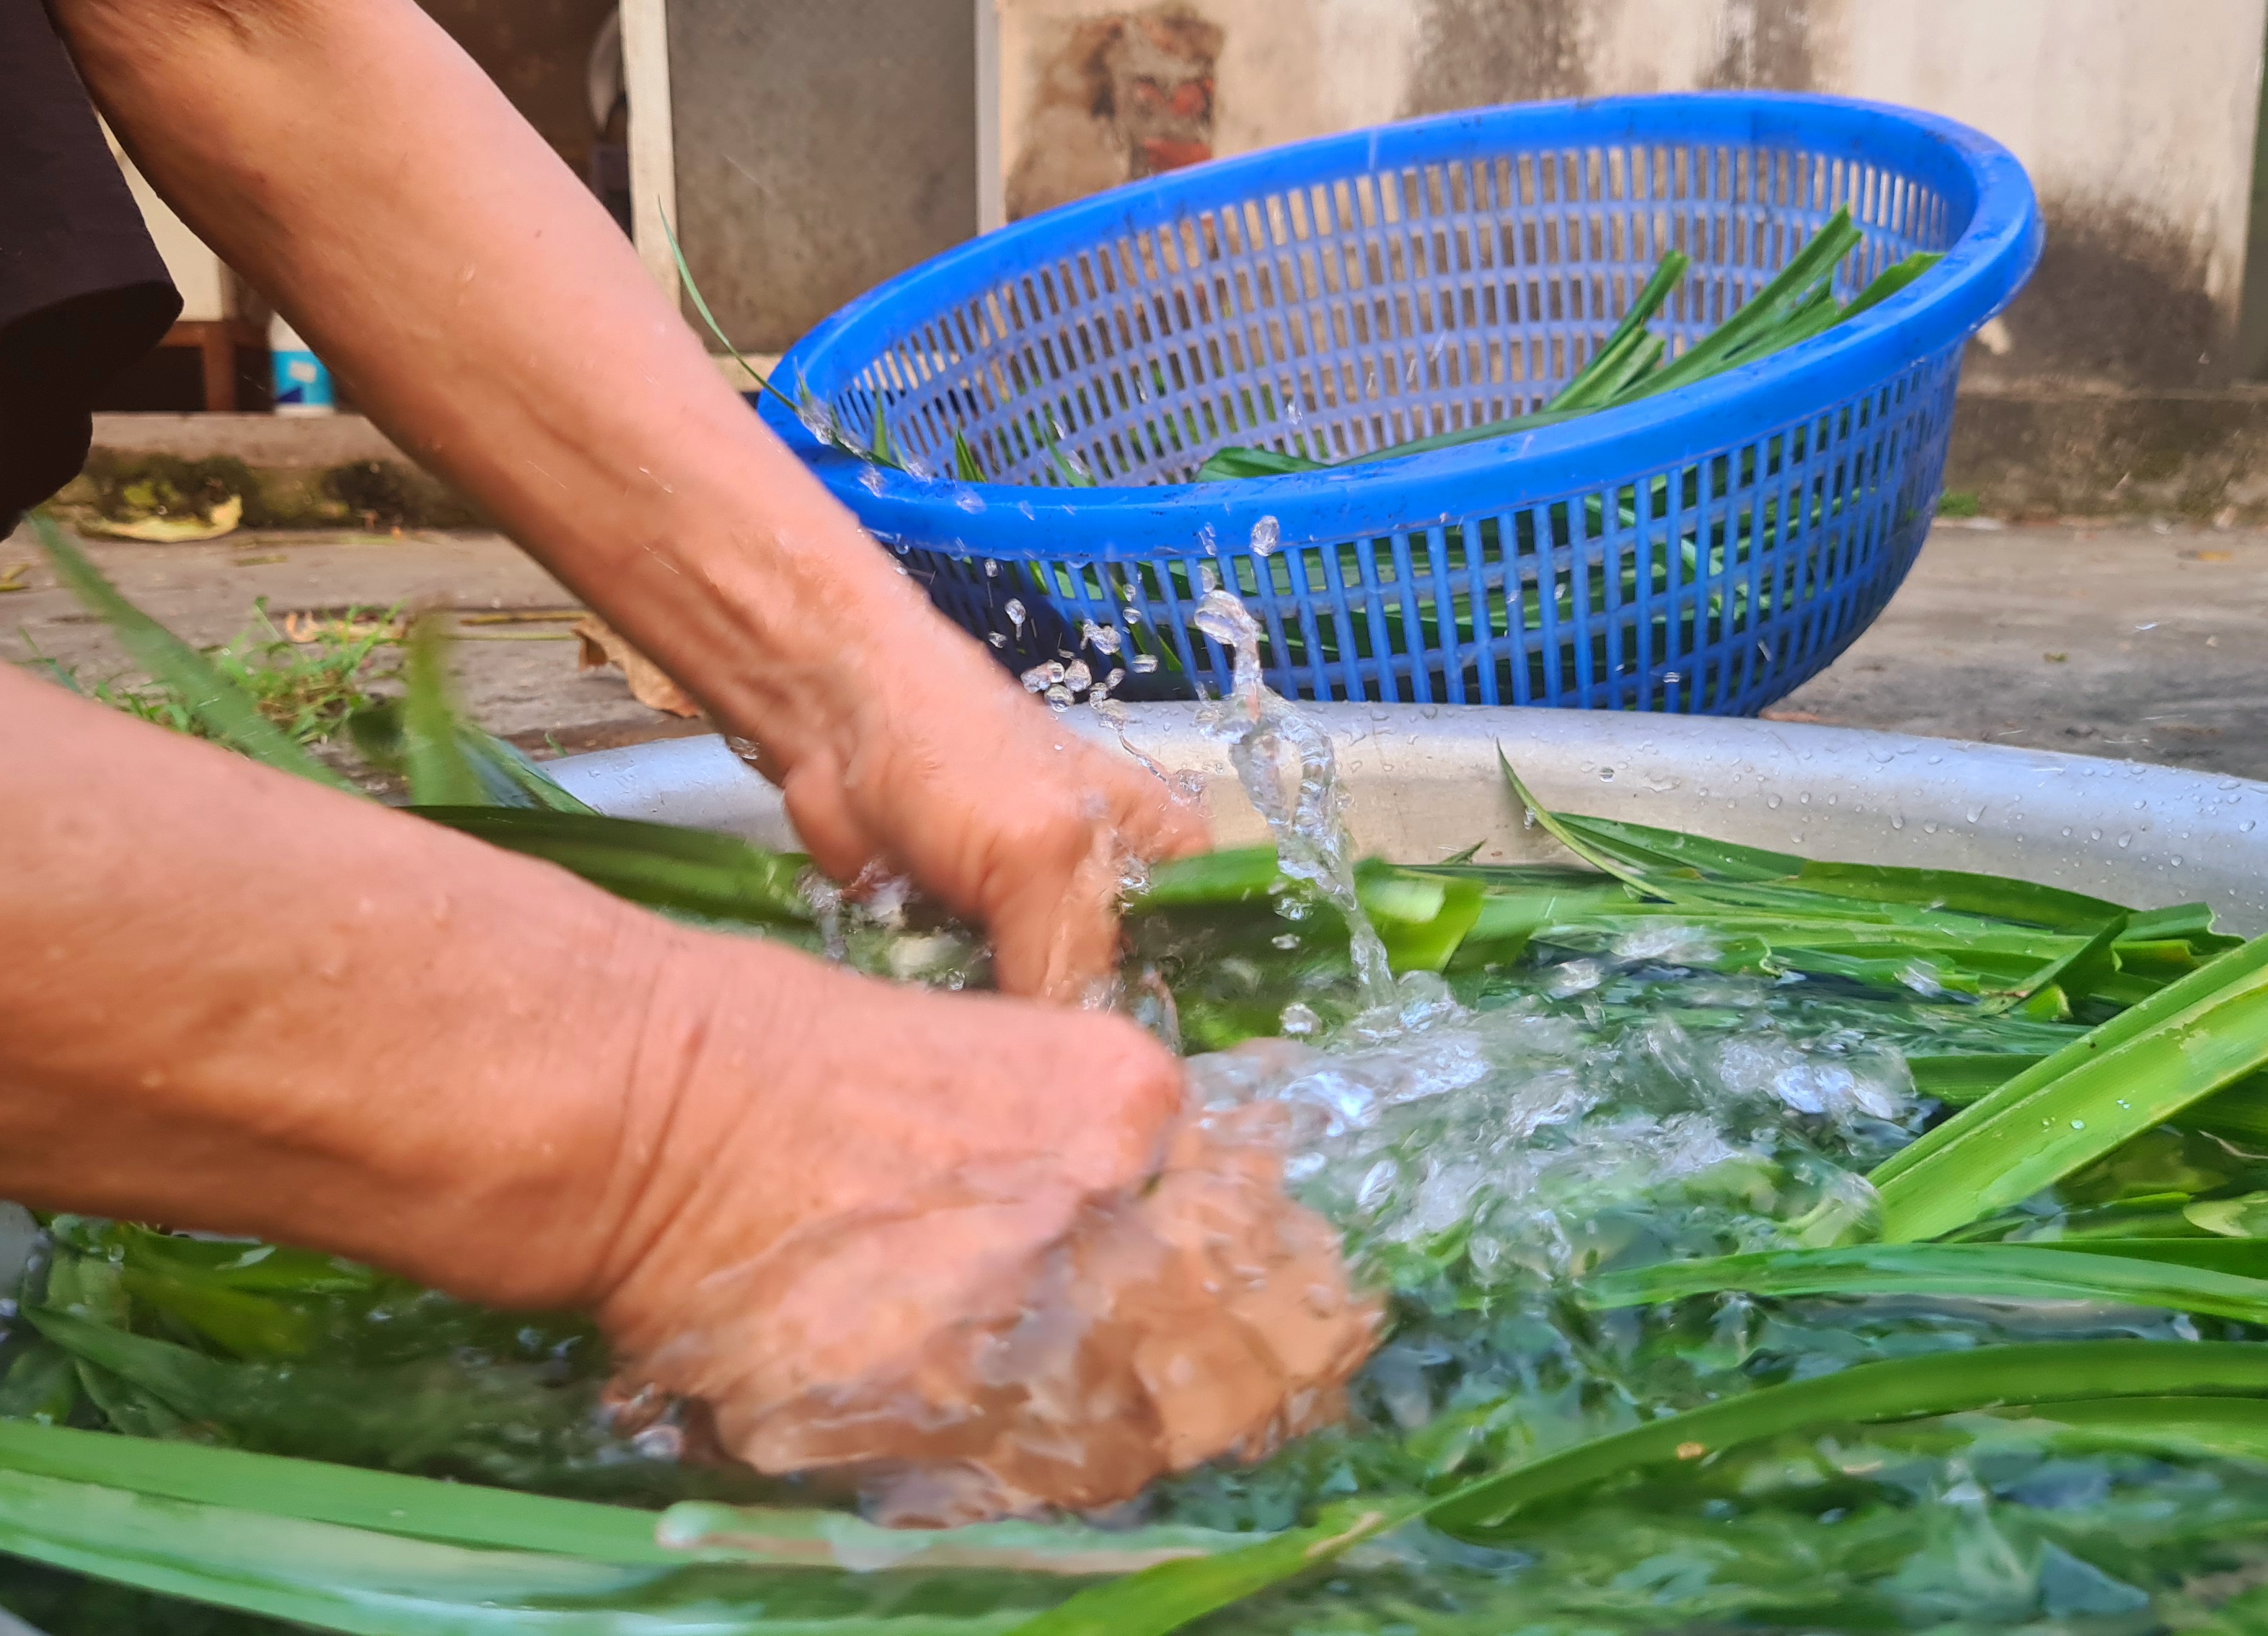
(351, 161)
(233, 1000)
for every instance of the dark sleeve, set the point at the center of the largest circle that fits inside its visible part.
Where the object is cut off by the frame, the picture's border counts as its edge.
(83, 291)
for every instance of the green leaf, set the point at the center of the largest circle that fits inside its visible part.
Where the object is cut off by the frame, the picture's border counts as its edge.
(220, 707)
(1636, 877)
(375, 1584)
(1613, 367)
(879, 449)
(1237, 875)
(2016, 1272)
(1165, 1599)
(433, 758)
(1891, 280)
(1229, 464)
(1961, 1081)
(2142, 1067)
(685, 278)
(1903, 1389)
(965, 467)
(695, 871)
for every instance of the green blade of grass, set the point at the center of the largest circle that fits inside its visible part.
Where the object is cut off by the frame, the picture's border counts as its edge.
(696, 871)
(375, 1584)
(220, 707)
(1903, 1389)
(317, 1491)
(2017, 1272)
(1636, 877)
(475, 1516)
(1161, 1600)
(2243, 1258)
(1769, 308)
(1229, 464)
(1891, 280)
(433, 758)
(2145, 1065)
(1609, 369)
(965, 467)
(708, 318)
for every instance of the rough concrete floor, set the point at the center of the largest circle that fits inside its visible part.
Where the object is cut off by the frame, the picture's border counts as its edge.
(2130, 642)
(2143, 642)
(518, 677)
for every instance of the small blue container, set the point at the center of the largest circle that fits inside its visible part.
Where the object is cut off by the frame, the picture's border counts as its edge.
(1707, 550)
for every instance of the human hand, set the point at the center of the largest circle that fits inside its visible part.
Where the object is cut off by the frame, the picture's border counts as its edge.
(941, 767)
(977, 1255)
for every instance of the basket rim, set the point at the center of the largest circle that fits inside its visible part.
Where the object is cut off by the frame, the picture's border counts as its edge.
(1981, 271)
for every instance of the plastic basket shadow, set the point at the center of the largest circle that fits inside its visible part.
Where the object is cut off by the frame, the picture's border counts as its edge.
(1706, 550)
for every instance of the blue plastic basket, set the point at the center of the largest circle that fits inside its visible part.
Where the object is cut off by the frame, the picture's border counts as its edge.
(1707, 550)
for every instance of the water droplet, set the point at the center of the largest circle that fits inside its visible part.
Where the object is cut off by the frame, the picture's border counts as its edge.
(968, 500)
(1974, 813)
(869, 479)
(1209, 541)
(2249, 825)
(1036, 680)
(2126, 840)
(1606, 774)
(1207, 579)
(1117, 674)
(1929, 826)
(997, 640)
(1058, 695)
(1143, 663)
(1773, 801)
(2095, 835)
(1898, 821)
(1265, 535)
(2078, 1125)
(1076, 676)
(1102, 638)
(1287, 940)
(1015, 612)
(991, 567)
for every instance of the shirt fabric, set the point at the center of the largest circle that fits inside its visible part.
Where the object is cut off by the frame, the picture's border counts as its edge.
(82, 290)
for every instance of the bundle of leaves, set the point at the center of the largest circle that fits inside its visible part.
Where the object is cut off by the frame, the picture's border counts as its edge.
(1771, 1245)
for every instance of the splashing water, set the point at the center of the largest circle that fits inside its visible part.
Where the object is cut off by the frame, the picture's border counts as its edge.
(1305, 810)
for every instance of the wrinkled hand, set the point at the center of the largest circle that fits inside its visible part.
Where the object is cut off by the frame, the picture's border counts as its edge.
(974, 1255)
(944, 768)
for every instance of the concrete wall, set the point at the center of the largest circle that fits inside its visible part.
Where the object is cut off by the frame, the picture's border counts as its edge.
(2135, 117)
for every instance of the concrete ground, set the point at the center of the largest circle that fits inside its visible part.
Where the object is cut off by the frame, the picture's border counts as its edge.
(2137, 641)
